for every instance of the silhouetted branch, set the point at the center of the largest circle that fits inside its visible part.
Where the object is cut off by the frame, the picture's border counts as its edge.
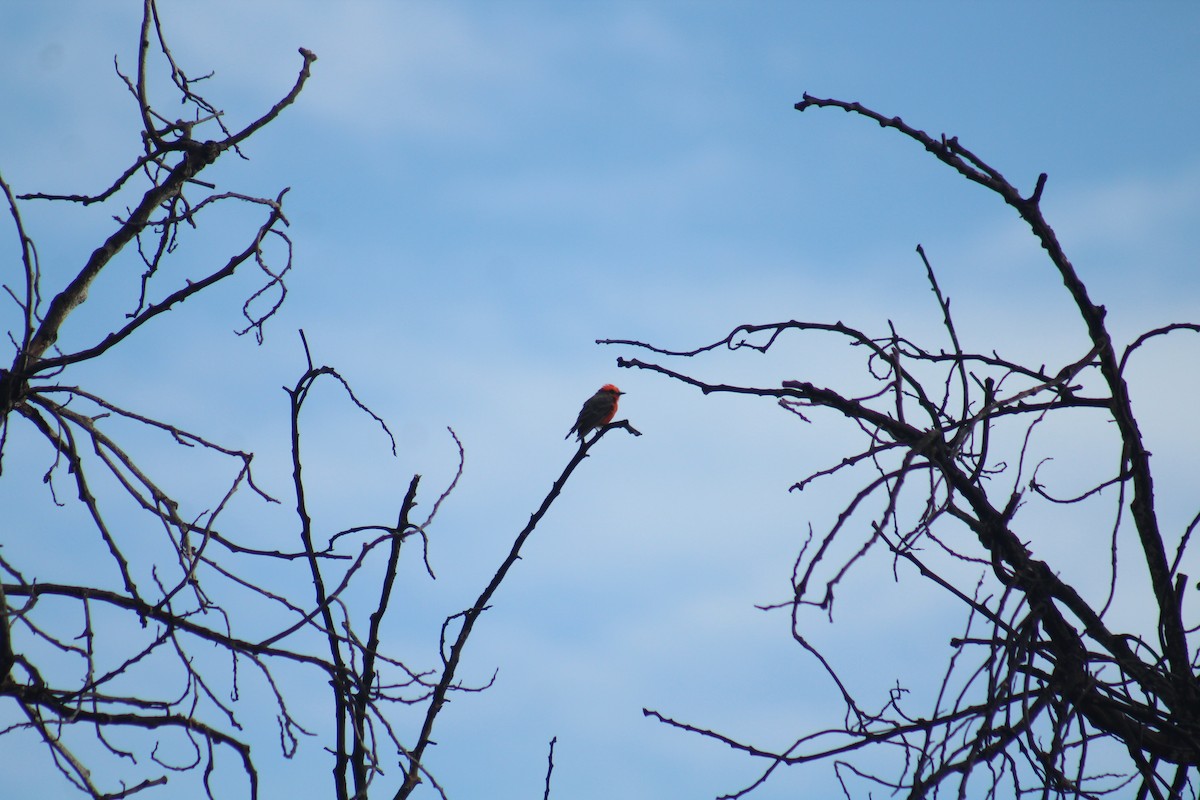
(450, 661)
(156, 586)
(1040, 676)
(549, 767)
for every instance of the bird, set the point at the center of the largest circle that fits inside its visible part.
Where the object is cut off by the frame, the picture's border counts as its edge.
(597, 412)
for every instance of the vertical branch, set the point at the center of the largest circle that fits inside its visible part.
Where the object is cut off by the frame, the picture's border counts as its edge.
(948, 322)
(341, 688)
(29, 296)
(549, 767)
(366, 680)
(1142, 505)
(7, 657)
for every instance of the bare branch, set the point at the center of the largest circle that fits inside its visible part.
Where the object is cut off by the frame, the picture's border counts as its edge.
(1041, 674)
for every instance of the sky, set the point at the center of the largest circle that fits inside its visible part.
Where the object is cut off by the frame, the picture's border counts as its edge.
(480, 191)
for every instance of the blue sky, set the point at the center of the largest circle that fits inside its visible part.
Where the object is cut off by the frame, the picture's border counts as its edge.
(481, 190)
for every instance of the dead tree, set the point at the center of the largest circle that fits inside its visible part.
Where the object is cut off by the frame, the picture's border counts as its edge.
(86, 664)
(1044, 693)
(142, 667)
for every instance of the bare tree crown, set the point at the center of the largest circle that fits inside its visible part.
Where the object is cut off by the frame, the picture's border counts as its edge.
(1040, 679)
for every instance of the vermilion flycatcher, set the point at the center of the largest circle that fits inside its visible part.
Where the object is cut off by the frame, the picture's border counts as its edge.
(597, 412)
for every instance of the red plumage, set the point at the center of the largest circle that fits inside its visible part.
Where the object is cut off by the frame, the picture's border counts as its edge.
(597, 412)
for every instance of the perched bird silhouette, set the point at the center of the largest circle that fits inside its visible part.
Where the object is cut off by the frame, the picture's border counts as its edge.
(597, 412)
